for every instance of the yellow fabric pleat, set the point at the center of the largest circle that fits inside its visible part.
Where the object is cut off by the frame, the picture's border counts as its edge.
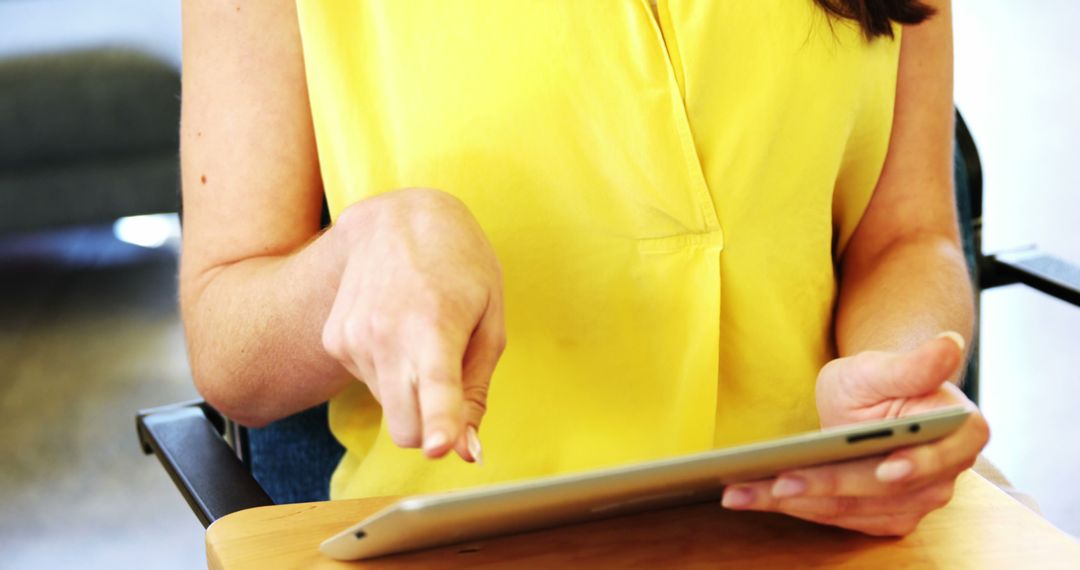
(667, 199)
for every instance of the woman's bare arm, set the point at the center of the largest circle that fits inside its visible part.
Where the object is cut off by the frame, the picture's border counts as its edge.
(403, 292)
(903, 283)
(903, 277)
(253, 297)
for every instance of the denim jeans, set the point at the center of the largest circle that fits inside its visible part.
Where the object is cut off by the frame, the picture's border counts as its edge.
(294, 457)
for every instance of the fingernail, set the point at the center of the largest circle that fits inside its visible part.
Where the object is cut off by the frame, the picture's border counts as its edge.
(956, 337)
(434, 441)
(894, 470)
(472, 439)
(737, 497)
(788, 486)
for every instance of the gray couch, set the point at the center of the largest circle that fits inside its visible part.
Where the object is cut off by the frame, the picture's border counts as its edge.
(86, 137)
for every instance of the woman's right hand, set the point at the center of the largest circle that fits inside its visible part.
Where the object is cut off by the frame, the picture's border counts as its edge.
(418, 315)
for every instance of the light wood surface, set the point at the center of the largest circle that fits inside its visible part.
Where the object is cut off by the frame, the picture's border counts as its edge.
(981, 528)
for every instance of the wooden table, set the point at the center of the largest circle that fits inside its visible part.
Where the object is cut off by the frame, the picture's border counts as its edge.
(981, 528)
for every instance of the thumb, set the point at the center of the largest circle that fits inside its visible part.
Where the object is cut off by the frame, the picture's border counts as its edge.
(922, 370)
(482, 355)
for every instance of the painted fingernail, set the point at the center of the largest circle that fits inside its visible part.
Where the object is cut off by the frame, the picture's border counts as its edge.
(955, 337)
(472, 439)
(894, 470)
(434, 441)
(788, 487)
(737, 497)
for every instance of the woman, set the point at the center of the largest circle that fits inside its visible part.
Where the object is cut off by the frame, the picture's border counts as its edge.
(681, 215)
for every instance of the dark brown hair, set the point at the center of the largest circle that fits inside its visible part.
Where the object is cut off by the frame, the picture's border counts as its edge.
(875, 17)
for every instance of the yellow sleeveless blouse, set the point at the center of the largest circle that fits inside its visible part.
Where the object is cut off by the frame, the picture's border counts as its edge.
(667, 197)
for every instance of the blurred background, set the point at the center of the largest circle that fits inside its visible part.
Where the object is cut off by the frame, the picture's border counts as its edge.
(89, 331)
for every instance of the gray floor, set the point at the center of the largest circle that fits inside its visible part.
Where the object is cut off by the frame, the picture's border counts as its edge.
(89, 333)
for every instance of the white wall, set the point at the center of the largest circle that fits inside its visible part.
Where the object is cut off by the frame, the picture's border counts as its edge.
(1017, 84)
(28, 26)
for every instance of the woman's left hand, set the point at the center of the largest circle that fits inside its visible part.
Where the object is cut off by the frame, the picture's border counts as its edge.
(879, 496)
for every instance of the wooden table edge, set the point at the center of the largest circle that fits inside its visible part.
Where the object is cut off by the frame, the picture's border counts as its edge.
(236, 529)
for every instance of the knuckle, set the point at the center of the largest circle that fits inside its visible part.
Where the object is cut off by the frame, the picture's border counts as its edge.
(352, 218)
(982, 430)
(331, 341)
(403, 429)
(829, 481)
(895, 488)
(380, 328)
(867, 364)
(929, 461)
(404, 437)
(835, 509)
(876, 530)
(968, 464)
(499, 343)
(476, 398)
(940, 496)
(424, 194)
(373, 389)
(898, 526)
(496, 269)
(444, 311)
(438, 378)
(353, 333)
(426, 290)
(903, 526)
(764, 501)
(840, 507)
(433, 308)
(366, 369)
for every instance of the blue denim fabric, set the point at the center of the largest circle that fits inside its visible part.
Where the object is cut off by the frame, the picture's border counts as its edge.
(293, 458)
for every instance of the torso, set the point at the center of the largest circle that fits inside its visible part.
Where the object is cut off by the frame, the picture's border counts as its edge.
(666, 186)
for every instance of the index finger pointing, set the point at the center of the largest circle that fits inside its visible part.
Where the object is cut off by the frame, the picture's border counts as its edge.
(439, 391)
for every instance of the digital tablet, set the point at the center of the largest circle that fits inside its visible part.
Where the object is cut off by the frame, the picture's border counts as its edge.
(433, 520)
